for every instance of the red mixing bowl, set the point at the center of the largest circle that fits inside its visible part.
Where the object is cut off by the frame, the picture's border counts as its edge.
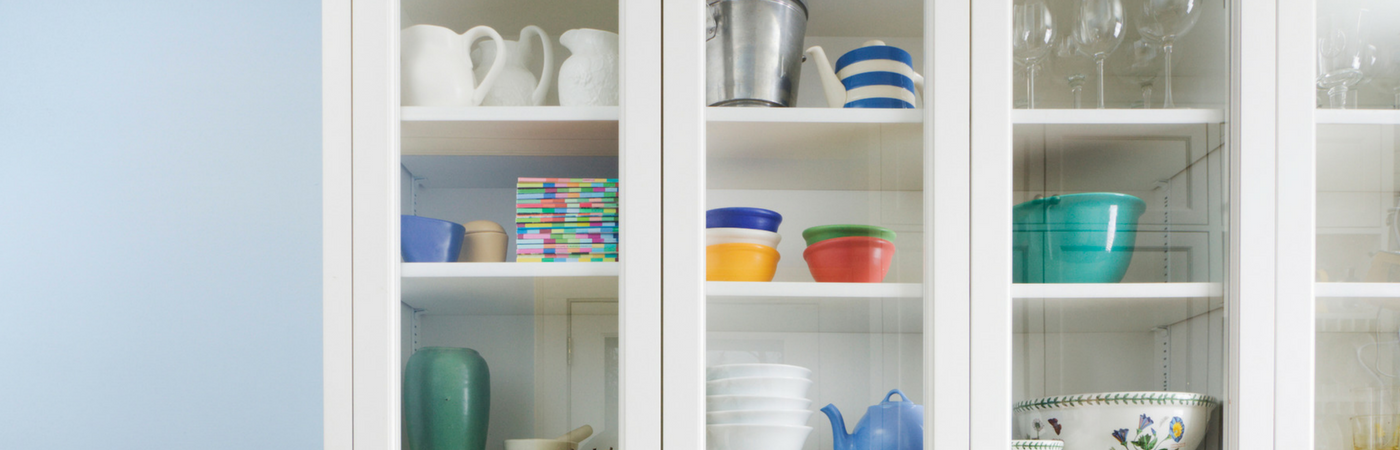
(854, 259)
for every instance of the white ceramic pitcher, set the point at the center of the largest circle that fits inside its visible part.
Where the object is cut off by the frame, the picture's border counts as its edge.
(589, 76)
(516, 86)
(436, 66)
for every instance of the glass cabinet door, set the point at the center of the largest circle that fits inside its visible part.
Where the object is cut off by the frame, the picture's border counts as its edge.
(1357, 266)
(813, 224)
(512, 201)
(1108, 210)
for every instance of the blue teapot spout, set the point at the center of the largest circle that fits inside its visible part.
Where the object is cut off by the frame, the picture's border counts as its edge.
(839, 437)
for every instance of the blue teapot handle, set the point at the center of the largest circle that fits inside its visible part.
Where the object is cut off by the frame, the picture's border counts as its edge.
(897, 391)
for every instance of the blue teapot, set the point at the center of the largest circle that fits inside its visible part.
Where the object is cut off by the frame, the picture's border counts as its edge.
(889, 425)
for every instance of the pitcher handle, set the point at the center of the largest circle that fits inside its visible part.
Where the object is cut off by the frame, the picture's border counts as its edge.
(547, 71)
(896, 391)
(480, 90)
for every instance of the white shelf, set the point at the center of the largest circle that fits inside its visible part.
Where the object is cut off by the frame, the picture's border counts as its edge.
(510, 130)
(1117, 116)
(499, 288)
(814, 115)
(1116, 290)
(509, 270)
(813, 290)
(1357, 290)
(1358, 116)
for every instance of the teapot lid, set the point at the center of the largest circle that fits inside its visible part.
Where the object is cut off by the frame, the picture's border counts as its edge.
(801, 4)
(901, 395)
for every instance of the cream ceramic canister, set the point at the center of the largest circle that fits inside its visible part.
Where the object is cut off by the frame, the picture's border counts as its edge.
(436, 66)
(517, 85)
(589, 77)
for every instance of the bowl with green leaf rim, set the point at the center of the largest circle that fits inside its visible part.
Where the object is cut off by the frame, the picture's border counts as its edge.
(1151, 420)
(821, 233)
(1032, 444)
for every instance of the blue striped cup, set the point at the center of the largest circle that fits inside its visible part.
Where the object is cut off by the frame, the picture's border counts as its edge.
(872, 76)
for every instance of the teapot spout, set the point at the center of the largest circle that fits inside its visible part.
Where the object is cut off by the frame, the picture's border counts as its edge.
(835, 91)
(839, 437)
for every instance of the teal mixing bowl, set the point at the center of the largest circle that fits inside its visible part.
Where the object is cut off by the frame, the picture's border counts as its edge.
(1076, 238)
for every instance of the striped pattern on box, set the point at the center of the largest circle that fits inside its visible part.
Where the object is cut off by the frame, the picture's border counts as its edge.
(566, 219)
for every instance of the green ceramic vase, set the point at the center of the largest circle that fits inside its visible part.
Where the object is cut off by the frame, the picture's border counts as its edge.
(446, 399)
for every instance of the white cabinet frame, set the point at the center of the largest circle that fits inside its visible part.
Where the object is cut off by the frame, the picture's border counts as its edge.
(374, 291)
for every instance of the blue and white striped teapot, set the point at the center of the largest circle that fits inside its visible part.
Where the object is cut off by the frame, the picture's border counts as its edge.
(872, 76)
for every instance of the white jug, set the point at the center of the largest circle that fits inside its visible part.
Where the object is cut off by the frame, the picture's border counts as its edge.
(516, 85)
(589, 76)
(436, 66)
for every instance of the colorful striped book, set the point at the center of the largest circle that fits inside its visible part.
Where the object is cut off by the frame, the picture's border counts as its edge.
(537, 246)
(597, 230)
(536, 185)
(593, 195)
(546, 258)
(543, 238)
(559, 201)
(552, 190)
(570, 219)
(566, 251)
(567, 225)
(565, 180)
(564, 241)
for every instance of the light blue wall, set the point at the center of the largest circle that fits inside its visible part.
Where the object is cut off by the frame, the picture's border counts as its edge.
(160, 224)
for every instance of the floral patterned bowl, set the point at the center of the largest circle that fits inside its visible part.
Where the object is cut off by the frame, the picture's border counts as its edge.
(1031, 444)
(1126, 420)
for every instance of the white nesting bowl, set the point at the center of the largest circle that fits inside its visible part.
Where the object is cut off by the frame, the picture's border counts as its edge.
(766, 386)
(755, 402)
(794, 417)
(1099, 421)
(715, 236)
(755, 437)
(756, 370)
(1037, 445)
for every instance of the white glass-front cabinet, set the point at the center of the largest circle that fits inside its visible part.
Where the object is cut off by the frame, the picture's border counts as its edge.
(559, 308)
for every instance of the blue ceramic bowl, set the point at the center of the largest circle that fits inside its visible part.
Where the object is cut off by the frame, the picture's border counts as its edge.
(1076, 238)
(752, 218)
(429, 240)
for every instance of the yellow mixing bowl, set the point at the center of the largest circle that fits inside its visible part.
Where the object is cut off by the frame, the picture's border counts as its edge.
(740, 262)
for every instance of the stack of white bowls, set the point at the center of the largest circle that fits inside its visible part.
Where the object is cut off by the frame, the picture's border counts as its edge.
(757, 407)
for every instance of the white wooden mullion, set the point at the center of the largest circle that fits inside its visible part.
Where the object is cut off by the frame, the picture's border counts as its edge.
(683, 184)
(1295, 335)
(375, 164)
(990, 212)
(337, 341)
(1253, 284)
(947, 223)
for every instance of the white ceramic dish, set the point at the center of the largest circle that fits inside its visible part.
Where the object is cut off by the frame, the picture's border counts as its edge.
(741, 235)
(1036, 445)
(756, 370)
(1116, 419)
(792, 417)
(755, 437)
(755, 402)
(765, 386)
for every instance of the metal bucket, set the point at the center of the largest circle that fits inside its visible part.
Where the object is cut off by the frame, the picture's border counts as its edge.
(753, 51)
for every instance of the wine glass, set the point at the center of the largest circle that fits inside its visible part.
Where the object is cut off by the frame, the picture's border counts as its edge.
(1099, 31)
(1387, 70)
(1143, 65)
(1163, 21)
(1033, 36)
(1339, 52)
(1069, 65)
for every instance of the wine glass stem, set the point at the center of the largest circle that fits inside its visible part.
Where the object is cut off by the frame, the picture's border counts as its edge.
(1098, 60)
(1167, 90)
(1337, 96)
(1030, 86)
(1147, 96)
(1397, 100)
(1079, 90)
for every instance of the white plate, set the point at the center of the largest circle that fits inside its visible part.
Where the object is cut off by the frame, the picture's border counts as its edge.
(755, 437)
(767, 386)
(757, 370)
(794, 418)
(755, 402)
